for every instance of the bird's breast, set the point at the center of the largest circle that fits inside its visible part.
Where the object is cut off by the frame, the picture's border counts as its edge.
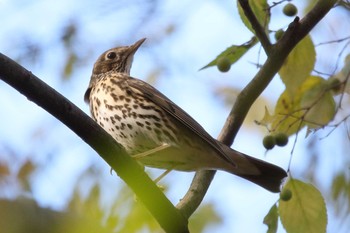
(130, 118)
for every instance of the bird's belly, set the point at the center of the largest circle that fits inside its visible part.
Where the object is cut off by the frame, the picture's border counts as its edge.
(138, 128)
(142, 127)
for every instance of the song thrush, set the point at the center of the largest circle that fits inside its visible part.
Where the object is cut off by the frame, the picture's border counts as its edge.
(156, 131)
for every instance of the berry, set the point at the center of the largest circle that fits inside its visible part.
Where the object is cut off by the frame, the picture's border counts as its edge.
(286, 195)
(223, 64)
(281, 139)
(290, 9)
(269, 142)
(279, 34)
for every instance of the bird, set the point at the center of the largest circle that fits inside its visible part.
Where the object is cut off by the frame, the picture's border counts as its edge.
(157, 132)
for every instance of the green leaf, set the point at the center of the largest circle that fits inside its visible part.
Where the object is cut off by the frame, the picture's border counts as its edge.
(340, 194)
(298, 65)
(271, 220)
(205, 216)
(305, 211)
(260, 9)
(71, 61)
(339, 184)
(233, 53)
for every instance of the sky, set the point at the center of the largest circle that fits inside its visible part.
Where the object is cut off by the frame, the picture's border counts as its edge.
(202, 30)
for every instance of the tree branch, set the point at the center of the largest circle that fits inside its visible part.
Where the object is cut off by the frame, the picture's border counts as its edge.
(258, 28)
(276, 56)
(199, 186)
(127, 168)
(195, 194)
(296, 31)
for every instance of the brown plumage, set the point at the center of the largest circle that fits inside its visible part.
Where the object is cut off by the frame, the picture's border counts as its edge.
(156, 131)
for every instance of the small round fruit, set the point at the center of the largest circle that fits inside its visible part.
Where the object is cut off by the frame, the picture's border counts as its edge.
(290, 9)
(286, 194)
(279, 34)
(223, 64)
(269, 142)
(281, 139)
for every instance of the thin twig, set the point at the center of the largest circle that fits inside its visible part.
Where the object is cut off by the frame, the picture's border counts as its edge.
(333, 41)
(258, 28)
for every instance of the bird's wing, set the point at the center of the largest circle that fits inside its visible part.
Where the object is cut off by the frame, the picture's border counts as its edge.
(175, 111)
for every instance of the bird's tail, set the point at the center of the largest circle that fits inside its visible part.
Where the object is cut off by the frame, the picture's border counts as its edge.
(264, 174)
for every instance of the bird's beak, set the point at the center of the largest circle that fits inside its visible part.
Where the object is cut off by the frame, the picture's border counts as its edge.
(133, 48)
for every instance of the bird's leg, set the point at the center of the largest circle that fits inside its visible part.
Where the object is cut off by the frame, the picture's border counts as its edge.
(151, 151)
(166, 172)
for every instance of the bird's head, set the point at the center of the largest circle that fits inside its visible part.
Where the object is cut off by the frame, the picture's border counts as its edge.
(118, 59)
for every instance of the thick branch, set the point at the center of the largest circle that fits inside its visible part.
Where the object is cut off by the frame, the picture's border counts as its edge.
(199, 186)
(276, 56)
(127, 168)
(195, 194)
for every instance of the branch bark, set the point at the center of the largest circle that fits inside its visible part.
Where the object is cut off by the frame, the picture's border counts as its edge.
(127, 168)
(258, 28)
(277, 53)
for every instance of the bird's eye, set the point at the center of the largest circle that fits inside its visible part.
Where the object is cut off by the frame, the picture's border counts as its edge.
(111, 55)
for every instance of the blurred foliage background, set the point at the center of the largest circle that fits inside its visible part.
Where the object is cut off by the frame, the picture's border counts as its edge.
(47, 171)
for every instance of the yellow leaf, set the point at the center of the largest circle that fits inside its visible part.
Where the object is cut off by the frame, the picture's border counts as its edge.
(298, 65)
(305, 211)
(318, 102)
(267, 119)
(312, 105)
(287, 117)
